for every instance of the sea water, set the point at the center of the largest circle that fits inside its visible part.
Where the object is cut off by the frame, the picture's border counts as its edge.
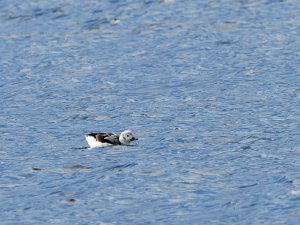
(210, 88)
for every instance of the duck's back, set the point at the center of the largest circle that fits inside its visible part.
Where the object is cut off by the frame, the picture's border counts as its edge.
(102, 139)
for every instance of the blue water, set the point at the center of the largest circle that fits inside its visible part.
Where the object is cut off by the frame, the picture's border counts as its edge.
(210, 88)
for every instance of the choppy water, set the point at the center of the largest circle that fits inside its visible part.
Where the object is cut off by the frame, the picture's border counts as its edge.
(211, 89)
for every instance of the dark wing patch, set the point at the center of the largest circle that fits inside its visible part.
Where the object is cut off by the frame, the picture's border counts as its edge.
(112, 139)
(97, 134)
(106, 137)
(101, 137)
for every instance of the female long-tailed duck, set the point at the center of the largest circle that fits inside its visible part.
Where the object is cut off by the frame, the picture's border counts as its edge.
(105, 139)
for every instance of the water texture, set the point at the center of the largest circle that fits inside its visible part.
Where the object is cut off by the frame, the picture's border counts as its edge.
(210, 88)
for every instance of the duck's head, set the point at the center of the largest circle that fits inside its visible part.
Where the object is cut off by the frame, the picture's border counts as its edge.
(126, 137)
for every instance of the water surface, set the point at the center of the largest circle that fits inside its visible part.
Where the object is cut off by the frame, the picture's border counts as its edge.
(210, 88)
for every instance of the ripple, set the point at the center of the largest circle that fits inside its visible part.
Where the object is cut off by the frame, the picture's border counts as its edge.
(248, 185)
(77, 168)
(210, 90)
(122, 166)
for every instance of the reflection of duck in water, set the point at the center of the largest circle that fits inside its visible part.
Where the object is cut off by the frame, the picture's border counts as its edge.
(105, 139)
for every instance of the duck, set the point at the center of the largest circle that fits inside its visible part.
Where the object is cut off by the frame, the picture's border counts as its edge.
(99, 140)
